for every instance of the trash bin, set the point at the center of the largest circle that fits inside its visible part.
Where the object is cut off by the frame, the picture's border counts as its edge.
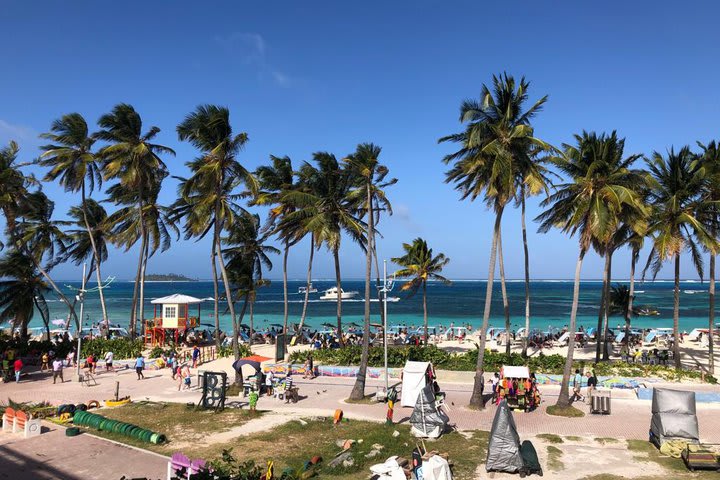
(600, 401)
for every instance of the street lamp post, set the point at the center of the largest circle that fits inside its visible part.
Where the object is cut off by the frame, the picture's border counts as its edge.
(81, 299)
(385, 327)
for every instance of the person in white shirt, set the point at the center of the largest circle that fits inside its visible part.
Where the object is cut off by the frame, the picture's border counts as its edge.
(57, 366)
(109, 362)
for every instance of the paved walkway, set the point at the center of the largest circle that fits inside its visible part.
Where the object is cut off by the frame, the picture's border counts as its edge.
(54, 456)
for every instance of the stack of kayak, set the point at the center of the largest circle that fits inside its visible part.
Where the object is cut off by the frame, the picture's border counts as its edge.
(107, 425)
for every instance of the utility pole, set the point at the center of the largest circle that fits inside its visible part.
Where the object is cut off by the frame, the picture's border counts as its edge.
(81, 299)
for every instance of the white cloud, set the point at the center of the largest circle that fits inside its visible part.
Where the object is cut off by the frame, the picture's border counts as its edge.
(19, 133)
(251, 49)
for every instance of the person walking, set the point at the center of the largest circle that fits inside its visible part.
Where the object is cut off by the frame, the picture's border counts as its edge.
(139, 366)
(57, 369)
(109, 356)
(17, 366)
(186, 376)
(577, 385)
(195, 356)
(591, 386)
(45, 362)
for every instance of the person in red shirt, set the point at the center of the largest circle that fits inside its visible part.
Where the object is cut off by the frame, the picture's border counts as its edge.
(91, 363)
(18, 365)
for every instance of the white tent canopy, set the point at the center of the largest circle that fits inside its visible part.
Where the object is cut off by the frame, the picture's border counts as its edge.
(509, 371)
(177, 298)
(413, 381)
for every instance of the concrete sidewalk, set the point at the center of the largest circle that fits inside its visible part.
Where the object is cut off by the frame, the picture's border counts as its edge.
(54, 456)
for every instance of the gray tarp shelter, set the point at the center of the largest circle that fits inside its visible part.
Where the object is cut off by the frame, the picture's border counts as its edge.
(427, 419)
(504, 446)
(673, 416)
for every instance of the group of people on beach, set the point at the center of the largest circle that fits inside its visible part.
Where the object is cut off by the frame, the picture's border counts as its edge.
(522, 393)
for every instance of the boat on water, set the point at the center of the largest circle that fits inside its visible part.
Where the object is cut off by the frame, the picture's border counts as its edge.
(646, 311)
(304, 290)
(332, 294)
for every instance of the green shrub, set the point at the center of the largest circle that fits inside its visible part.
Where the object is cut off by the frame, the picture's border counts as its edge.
(227, 351)
(121, 347)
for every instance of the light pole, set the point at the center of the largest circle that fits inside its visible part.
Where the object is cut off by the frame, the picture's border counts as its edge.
(383, 291)
(81, 299)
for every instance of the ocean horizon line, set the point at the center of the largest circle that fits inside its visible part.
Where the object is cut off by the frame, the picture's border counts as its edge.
(361, 279)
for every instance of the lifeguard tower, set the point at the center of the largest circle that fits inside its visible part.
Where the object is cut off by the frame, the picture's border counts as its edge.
(173, 320)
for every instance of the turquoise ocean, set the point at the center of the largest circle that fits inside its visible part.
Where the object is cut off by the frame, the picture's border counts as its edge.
(459, 303)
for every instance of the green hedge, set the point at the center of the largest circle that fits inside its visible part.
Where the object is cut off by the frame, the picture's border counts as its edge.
(121, 347)
(492, 361)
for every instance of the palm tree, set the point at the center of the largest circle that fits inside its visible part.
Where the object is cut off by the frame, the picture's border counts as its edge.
(496, 142)
(711, 171)
(369, 175)
(676, 193)
(22, 289)
(589, 205)
(74, 164)
(40, 238)
(274, 181)
(419, 265)
(208, 199)
(133, 160)
(532, 179)
(245, 255)
(620, 303)
(13, 187)
(325, 210)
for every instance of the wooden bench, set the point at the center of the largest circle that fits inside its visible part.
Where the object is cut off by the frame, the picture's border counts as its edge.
(17, 421)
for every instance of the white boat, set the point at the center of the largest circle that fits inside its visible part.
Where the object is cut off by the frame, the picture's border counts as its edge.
(304, 290)
(332, 294)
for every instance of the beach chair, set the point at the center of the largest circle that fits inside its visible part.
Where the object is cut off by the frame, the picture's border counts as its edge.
(87, 378)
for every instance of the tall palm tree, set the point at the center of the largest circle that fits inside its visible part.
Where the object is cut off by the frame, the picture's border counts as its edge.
(73, 162)
(710, 163)
(676, 226)
(532, 179)
(589, 205)
(13, 187)
(496, 142)
(275, 180)
(326, 211)
(245, 255)
(41, 239)
(134, 160)
(419, 265)
(208, 199)
(22, 289)
(370, 182)
(620, 303)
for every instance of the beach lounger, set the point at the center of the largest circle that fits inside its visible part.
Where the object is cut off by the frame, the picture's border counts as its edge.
(17, 421)
(179, 462)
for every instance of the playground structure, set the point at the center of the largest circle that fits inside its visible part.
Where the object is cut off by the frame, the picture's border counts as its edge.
(174, 319)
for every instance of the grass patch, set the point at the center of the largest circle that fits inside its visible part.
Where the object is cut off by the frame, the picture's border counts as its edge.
(550, 437)
(605, 440)
(554, 456)
(675, 466)
(290, 444)
(564, 412)
(573, 438)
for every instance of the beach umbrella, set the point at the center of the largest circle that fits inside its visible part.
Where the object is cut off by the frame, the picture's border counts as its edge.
(328, 325)
(276, 325)
(253, 360)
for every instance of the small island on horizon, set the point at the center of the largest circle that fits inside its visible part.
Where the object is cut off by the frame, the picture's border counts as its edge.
(168, 277)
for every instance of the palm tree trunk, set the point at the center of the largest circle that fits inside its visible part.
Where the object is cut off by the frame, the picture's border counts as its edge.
(425, 313)
(358, 391)
(711, 316)
(57, 290)
(503, 289)
(599, 333)
(251, 299)
(136, 287)
(336, 257)
(236, 337)
(228, 295)
(96, 255)
(477, 400)
(285, 288)
(606, 307)
(216, 295)
(628, 312)
(381, 297)
(676, 313)
(141, 301)
(309, 282)
(564, 397)
(527, 271)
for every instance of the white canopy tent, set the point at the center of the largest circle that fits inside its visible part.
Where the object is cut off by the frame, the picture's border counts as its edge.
(413, 381)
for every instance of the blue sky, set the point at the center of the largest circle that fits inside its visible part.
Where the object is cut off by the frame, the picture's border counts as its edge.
(301, 77)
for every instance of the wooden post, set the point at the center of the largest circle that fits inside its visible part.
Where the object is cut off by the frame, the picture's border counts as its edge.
(117, 391)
